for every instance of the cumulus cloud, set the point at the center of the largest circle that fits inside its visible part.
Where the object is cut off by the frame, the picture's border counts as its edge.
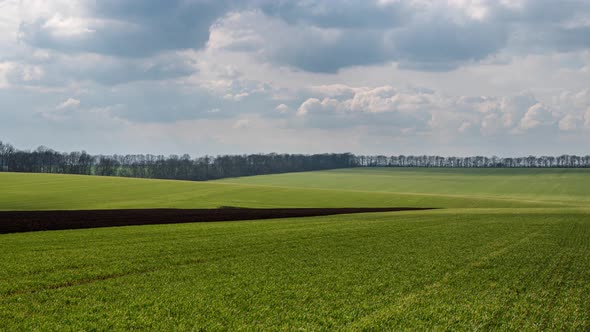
(282, 108)
(424, 110)
(382, 106)
(569, 123)
(536, 116)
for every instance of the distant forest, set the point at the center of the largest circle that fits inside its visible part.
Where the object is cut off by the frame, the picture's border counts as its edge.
(45, 160)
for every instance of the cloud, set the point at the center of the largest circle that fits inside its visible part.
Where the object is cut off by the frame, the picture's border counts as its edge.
(536, 116)
(68, 104)
(382, 107)
(78, 119)
(494, 74)
(441, 44)
(433, 45)
(573, 110)
(57, 69)
(324, 36)
(569, 123)
(133, 28)
(426, 111)
(9, 22)
(5, 69)
(418, 35)
(63, 111)
(68, 27)
(282, 108)
(310, 105)
(309, 48)
(344, 14)
(19, 73)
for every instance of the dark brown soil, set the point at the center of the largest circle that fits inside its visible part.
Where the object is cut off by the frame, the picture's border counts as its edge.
(27, 221)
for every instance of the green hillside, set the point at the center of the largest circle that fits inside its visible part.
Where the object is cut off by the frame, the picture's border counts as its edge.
(567, 186)
(341, 188)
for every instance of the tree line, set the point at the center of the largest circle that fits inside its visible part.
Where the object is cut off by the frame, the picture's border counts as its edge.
(45, 160)
(563, 161)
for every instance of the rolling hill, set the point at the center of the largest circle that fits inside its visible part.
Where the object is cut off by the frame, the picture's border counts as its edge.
(508, 250)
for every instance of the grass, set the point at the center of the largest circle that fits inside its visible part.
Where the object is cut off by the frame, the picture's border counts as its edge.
(509, 251)
(565, 186)
(343, 188)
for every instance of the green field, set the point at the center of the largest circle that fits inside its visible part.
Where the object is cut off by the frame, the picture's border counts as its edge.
(446, 188)
(509, 249)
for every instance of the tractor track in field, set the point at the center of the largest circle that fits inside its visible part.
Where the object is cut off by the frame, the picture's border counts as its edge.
(29, 221)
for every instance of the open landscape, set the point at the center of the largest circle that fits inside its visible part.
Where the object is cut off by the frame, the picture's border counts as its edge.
(505, 249)
(294, 165)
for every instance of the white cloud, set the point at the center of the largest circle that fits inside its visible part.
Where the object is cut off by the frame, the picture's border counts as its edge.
(308, 106)
(5, 68)
(9, 22)
(68, 104)
(61, 26)
(375, 100)
(569, 123)
(237, 96)
(71, 115)
(475, 9)
(491, 124)
(536, 116)
(282, 108)
(333, 90)
(425, 110)
(32, 73)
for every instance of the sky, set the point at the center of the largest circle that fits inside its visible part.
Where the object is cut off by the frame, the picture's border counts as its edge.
(453, 78)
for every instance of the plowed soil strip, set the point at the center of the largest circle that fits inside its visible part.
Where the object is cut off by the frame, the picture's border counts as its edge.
(28, 221)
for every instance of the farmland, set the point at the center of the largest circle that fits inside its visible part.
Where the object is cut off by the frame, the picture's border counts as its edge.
(340, 188)
(508, 249)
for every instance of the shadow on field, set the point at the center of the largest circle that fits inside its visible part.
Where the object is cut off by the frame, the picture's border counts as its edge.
(28, 221)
